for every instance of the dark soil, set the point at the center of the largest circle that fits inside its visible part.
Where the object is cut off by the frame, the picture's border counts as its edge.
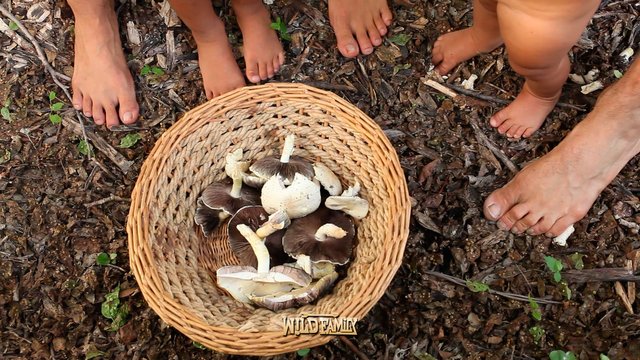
(50, 233)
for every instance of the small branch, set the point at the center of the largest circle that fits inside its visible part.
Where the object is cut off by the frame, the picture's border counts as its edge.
(329, 86)
(440, 87)
(106, 200)
(508, 295)
(496, 100)
(600, 275)
(353, 348)
(484, 140)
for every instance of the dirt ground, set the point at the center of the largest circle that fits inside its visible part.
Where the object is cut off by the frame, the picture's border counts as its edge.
(53, 222)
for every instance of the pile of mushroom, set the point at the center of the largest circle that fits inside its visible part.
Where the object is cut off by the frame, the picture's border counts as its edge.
(289, 224)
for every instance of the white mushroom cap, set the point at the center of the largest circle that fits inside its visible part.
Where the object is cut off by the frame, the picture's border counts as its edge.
(349, 202)
(327, 178)
(233, 167)
(299, 199)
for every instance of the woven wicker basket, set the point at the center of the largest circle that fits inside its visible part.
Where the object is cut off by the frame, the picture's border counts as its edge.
(175, 266)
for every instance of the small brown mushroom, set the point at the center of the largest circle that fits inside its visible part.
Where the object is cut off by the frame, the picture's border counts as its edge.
(324, 235)
(270, 228)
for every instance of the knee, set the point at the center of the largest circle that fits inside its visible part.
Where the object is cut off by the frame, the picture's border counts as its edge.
(534, 63)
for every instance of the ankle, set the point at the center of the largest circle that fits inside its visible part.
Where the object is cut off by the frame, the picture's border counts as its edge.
(86, 10)
(214, 32)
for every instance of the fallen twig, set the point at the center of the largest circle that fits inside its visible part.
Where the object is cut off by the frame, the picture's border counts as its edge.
(106, 200)
(600, 275)
(353, 348)
(484, 140)
(440, 87)
(623, 297)
(496, 100)
(508, 295)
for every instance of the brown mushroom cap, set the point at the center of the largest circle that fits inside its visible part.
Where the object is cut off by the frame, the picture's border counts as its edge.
(300, 239)
(254, 216)
(271, 165)
(208, 218)
(217, 196)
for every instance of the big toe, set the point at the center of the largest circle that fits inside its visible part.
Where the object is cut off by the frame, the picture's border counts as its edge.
(128, 108)
(346, 42)
(253, 72)
(497, 204)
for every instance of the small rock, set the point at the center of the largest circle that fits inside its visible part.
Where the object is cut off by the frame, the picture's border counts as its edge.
(59, 344)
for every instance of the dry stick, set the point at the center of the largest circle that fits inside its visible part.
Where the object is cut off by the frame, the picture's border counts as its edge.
(78, 128)
(477, 95)
(484, 140)
(353, 348)
(600, 275)
(106, 200)
(508, 295)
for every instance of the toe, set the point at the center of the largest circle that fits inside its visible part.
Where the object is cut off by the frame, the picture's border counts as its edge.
(498, 203)
(253, 73)
(508, 220)
(543, 225)
(262, 70)
(276, 65)
(98, 113)
(386, 16)
(281, 58)
(560, 226)
(504, 127)
(365, 44)
(519, 132)
(526, 222)
(87, 106)
(497, 120)
(111, 116)
(77, 99)
(128, 108)
(380, 25)
(514, 131)
(346, 43)
(374, 35)
(270, 71)
(528, 132)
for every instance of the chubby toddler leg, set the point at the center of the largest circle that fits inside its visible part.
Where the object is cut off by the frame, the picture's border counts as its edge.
(538, 39)
(483, 36)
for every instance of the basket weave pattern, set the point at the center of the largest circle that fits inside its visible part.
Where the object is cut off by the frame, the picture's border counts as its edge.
(175, 266)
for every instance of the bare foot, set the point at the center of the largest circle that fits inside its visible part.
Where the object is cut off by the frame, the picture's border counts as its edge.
(558, 189)
(102, 84)
(524, 115)
(263, 54)
(367, 20)
(453, 48)
(220, 72)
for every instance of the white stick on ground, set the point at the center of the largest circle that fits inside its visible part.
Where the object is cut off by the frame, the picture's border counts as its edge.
(562, 238)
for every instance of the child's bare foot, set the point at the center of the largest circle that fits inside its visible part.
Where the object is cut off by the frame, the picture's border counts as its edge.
(263, 54)
(366, 19)
(220, 72)
(524, 115)
(102, 84)
(558, 189)
(453, 48)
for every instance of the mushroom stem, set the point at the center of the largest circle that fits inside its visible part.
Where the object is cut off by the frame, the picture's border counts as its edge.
(277, 221)
(329, 230)
(287, 149)
(237, 186)
(258, 246)
(304, 261)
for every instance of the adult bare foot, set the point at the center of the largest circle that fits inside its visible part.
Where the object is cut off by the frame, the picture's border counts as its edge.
(102, 84)
(220, 72)
(558, 189)
(524, 115)
(367, 20)
(453, 48)
(263, 54)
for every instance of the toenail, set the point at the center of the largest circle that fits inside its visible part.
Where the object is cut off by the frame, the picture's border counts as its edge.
(548, 235)
(367, 51)
(530, 232)
(87, 114)
(494, 210)
(128, 117)
(255, 79)
(350, 48)
(77, 106)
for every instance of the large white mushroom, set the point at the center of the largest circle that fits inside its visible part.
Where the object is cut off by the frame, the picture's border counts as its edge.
(300, 198)
(287, 165)
(245, 281)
